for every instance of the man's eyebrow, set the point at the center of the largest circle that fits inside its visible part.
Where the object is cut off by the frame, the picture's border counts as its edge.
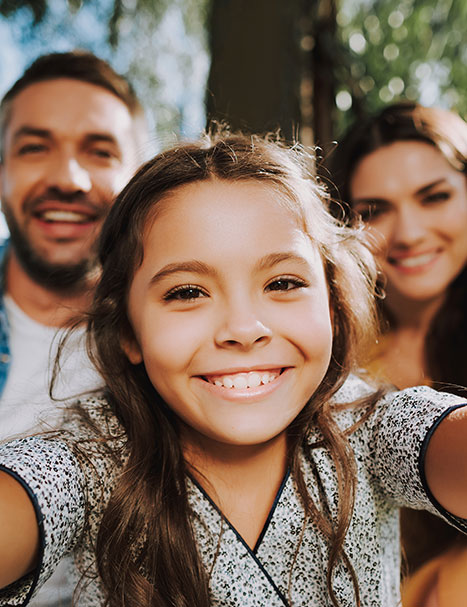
(32, 131)
(27, 130)
(193, 266)
(427, 188)
(101, 137)
(272, 259)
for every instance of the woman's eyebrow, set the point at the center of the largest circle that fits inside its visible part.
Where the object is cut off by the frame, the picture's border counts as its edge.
(428, 187)
(195, 266)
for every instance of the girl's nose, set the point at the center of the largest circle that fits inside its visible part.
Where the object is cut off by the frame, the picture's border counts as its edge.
(242, 328)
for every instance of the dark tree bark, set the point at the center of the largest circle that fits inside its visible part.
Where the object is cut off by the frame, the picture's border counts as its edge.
(323, 57)
(254, 82)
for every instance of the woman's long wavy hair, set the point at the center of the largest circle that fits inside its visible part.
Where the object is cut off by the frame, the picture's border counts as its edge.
(445, 342)
(150, 499)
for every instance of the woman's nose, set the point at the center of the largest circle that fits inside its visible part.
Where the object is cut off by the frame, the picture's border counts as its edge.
(409, 227)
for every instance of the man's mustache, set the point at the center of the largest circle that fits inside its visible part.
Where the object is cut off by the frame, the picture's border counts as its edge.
(56, 195)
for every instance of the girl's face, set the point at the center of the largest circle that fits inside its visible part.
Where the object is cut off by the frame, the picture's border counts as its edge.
(415, 205)
(230, 311)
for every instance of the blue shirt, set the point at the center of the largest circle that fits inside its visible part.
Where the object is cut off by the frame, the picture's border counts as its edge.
(5, 356)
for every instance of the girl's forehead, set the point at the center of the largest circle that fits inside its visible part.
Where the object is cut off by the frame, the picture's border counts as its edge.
(224, 218)
(223, 199)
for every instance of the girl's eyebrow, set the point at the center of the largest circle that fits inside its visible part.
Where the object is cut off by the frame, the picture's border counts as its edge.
(272, 259)
(199, 267)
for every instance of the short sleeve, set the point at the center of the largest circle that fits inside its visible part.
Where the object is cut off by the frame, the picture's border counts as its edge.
(51, 475)
(401, 429)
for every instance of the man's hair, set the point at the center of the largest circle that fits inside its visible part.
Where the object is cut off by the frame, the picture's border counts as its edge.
(77, 65)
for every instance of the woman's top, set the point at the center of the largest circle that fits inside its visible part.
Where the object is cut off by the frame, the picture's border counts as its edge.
(70, 487)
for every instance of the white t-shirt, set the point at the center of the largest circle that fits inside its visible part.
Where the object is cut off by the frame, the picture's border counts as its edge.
(25, 405)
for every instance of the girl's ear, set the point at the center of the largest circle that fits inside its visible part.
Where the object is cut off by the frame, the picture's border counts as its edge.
(131, 348)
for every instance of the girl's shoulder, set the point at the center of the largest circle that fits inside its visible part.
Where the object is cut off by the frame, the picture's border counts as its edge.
(365, 406)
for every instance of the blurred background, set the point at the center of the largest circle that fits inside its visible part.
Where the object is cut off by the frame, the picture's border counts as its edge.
(310, 67)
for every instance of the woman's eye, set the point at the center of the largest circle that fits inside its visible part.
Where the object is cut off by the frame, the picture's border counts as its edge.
(436, 197)
(369, 213)
(285, 284)
(185, 293)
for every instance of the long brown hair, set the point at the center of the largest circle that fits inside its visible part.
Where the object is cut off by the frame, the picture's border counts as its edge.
(150, 498)
(445, 130)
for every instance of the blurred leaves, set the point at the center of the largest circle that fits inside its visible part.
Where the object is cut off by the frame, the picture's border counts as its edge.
(120, 9)
(393, 49)
(37, 7)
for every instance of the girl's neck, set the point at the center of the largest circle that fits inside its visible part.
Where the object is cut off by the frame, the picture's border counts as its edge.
(242, 480)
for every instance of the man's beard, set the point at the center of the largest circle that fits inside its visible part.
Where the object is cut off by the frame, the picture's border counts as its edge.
(62, 278)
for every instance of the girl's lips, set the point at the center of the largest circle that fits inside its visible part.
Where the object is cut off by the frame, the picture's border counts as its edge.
(245, 386)
(238, 381)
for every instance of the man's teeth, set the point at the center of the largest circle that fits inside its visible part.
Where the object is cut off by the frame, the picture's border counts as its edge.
(240, 381)
(415, 260)
(66, 216)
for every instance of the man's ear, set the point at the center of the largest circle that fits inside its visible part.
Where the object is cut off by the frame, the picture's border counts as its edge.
(131, 348)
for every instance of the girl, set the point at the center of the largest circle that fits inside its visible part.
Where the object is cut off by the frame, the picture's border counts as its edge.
(403, 172)
(231, 460)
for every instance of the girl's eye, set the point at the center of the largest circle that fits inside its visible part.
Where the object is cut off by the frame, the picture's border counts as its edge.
(285, 284)
(185, 293)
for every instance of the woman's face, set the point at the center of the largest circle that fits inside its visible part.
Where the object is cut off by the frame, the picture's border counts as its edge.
(415, 206)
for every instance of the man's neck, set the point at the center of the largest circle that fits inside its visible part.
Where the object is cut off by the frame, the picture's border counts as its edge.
(47, 307)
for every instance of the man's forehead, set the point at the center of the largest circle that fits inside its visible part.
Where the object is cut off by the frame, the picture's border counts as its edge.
(69, 106)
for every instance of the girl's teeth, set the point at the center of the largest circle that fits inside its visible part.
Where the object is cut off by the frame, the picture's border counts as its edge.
(241, 381)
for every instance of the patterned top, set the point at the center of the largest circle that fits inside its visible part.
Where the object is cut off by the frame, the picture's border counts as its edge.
(389, 449)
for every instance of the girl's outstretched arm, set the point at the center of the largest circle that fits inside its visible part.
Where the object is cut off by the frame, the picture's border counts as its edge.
(19, 531)
(446, 463)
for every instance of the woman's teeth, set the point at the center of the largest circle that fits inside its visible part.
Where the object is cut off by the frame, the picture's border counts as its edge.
(415, 260)
(240, 381)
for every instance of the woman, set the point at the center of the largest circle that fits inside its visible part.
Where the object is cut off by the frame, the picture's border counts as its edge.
(403, 172)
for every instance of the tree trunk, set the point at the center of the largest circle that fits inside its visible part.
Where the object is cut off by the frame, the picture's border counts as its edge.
(254, 81)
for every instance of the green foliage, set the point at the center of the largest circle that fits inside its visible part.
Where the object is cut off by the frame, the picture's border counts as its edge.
(401, 49)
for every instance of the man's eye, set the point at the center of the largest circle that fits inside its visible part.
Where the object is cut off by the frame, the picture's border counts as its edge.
(101, 153)
(285, 284)
(185, 293)
(31, 148)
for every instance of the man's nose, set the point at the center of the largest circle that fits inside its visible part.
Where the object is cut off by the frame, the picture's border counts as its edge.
(69, 176)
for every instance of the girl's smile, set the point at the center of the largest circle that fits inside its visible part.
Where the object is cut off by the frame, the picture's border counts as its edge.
(230, 311)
